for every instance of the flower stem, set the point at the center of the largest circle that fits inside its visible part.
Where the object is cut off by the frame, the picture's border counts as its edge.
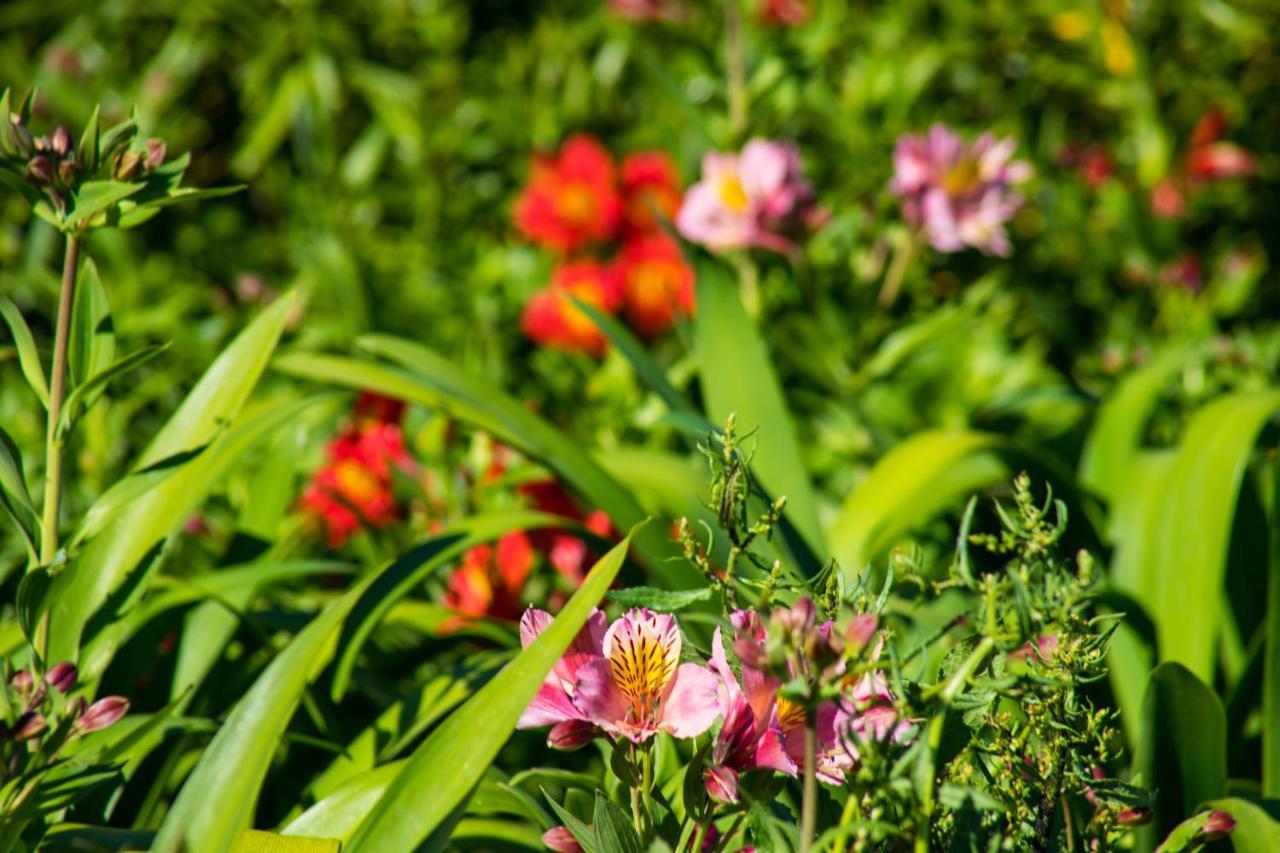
(57, 391)
(809, 806)
(903, 255)
(701, 838)
(736, 67)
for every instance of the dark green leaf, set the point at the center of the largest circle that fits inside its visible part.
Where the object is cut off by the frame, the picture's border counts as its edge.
(664, 600)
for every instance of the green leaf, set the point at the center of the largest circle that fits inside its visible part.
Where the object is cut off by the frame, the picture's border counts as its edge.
(918, 478)
(408, 573)
(583, 832)
(343, 809)
(613, 828)
(1116, 437)
(95, 198)
(217, 800)
(635, 352)
(1257, 828)
(421, 797)
(109, 559)
(1271, 653)
(28, 358)
(12, 477)
(663, 600)
(1191, 533)
(738, 378)
(132, 215)
(99, 381)
(92, 343)
(124, 491)
(1183, 749)
(87, 150)
(431, 381)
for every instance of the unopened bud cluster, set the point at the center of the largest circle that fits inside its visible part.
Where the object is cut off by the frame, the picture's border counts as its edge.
(43, 716)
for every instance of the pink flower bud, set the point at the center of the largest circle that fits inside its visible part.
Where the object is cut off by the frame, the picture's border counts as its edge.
(1134, 816)
(127, 166)
(29, 725)
(560, 839)
(798, 619)
(1219, 825)
(859, 632)
(60, 142)
(155, 154)
(751, 652)
(102, 714)
(61, 676)
(722, 784)
(39, 170)
(22, 682)
(67, 170)
(571, 734)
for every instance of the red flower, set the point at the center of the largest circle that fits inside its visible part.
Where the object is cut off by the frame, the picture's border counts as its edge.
(657, 283)
(355, 487)
(567, 553)
(784, 13)
(489, 580)
(650, 190)
(572, 198)
(1211, 160)
(552, 320)
(1167, 200)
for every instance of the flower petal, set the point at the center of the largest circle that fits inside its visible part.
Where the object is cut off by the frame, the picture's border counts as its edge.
(692, 703)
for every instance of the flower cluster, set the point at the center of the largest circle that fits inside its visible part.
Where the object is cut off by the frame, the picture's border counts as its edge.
(578, 201)
(756, 198)
(626, 682)
(1208, 159)
(39, 715)
(959, 194)
(490, 580)
(354, 488)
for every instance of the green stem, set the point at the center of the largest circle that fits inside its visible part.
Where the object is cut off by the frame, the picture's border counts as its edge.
(636, 817)
(904, 253)
(57, 391)
(736, 66)
(53, 444)
(809, 806)
(724, 839)
(749, 285)
(701, 837)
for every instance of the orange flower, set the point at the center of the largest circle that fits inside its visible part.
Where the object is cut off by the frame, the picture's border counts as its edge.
(571, 198)
(354, 489)
(552, 320)
(650, 190)
(657, 283)
(489, 580)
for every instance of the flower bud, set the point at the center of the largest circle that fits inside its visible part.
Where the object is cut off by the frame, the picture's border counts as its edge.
(60, 142)
(155, 154)
(798, 619)
(102, 714)
(1219, 825)
(39, 171)
(127, 165)
(67, 170)
(17, 138)
(22, 682)
(30, 725)
(858, 633)
(560, 839)
(61, 676)
(751, 652)
(1134, 816)
(571, 734)
(722, 784)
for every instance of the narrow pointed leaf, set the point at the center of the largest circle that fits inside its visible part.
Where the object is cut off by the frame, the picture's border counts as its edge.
(421, 798)
(28, 357)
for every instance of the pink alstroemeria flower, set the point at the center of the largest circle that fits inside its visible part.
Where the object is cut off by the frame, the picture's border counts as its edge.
(761, 729)
(640, 687)
(959, 194)
(755, 198)
(554, 705)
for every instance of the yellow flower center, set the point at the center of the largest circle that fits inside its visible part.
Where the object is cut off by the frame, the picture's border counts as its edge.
(355, 482)
(641, 669)
(790, 714)
(963, 177)
(733, 193)
(576, 203)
